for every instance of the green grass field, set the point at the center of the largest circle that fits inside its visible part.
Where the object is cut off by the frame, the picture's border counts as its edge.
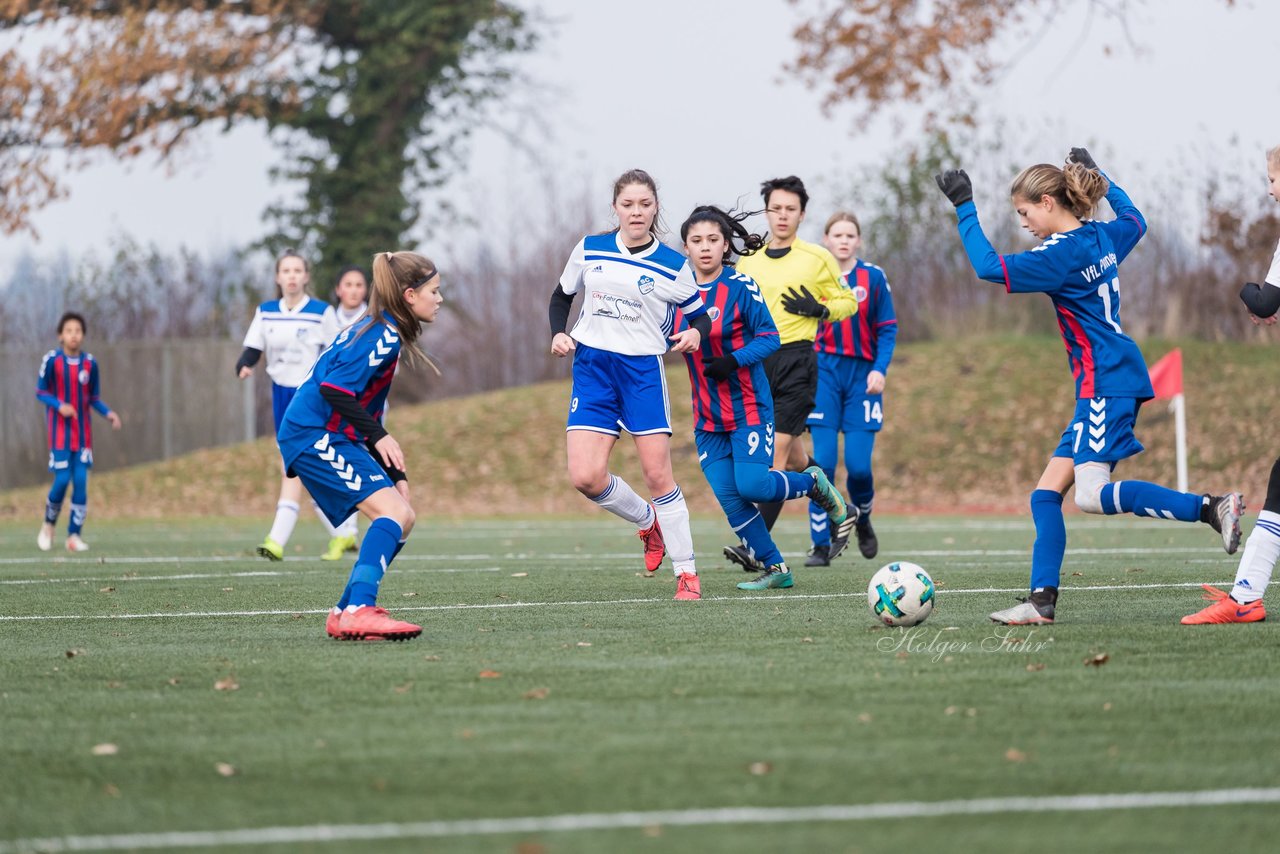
(553, 679)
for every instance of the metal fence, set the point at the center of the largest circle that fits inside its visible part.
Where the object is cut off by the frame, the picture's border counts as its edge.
(174, 396)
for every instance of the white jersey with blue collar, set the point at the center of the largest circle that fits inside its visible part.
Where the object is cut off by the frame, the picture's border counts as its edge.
(291, 339)
(629, 301)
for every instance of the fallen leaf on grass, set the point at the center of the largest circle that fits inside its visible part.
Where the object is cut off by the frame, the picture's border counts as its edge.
(1106, 707)
(114, 684)
(408, 595)
(653, 831)
(519, 575)
(228, 684)
(72, 653)
(1013, 754)
(950, 710)
(806, 640)
(225, 769)
(1077, 575)
(490, 674)
(537, 694)
(1097, 660)
(403, 689)
(106, 590)
(430, 658)
(111, 791)
(174, 681)
(759, 769)
(864, 718)
(227, 589)
(584, 643)
(1032, 668)
(105, 749)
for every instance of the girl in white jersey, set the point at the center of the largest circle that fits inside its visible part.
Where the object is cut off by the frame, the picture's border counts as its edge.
(632, 285)
(291, 331)
(351, 290)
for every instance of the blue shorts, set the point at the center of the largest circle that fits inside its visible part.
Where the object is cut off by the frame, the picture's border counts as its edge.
(338, 473)
(280, 397)
(71, 460)
(1101, 431)
(842, 402)
(744, 445)
(612, 391)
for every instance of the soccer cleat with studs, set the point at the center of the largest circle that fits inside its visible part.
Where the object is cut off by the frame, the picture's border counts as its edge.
(338, 546)
(44, 539)
(819, 555)
(867, 542)
(827, 496)
(1035, 610)
(75, 544)
(271, 550)
(371, 623)
(1225, 610)
(688, 588)
(743, 558)
(776, 577)
(654, 546)
(1224, 517)
(331, 623)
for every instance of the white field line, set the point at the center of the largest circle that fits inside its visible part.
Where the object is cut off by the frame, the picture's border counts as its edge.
(576, 556)
(487, 606)
(621, 820)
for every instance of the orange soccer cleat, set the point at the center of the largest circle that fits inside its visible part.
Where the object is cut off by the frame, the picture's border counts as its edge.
(369, 622)
(688, 587)
(654, 546)
(331, 623)
(1225, 610)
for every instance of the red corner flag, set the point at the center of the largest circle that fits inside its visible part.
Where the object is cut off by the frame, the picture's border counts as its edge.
(1166, 375)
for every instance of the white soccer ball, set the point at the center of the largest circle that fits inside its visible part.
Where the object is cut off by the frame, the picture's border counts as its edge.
(900, 594)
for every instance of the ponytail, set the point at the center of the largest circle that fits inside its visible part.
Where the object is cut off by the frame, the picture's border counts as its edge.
(1075, 187)
(393, 274)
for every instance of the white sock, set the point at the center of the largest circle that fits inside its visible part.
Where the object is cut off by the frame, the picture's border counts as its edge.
(673, 515)
(349, 527)
(1260, 553)
(286, 518)
(324, 520)
(621, 500)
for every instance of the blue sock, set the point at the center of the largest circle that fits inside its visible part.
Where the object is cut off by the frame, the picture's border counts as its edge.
(1051, 538)
(1150, 499)
(749, 525)
(826, 445)
(346, 592)
(376, 552)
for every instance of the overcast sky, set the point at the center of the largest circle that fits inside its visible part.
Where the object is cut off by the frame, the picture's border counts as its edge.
(717, 113)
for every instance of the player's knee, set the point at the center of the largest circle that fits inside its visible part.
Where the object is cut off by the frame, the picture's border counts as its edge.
(1091, 479)
(407, 518)
(589, 480)
(753, 483)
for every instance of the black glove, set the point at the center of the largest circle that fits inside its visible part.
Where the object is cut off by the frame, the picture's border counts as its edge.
(803, 303)
(1082, 156)
(720, 368)
(955, 184)
(1262, 301)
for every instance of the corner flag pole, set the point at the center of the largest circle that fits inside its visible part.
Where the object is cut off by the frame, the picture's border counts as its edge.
(1166, 381)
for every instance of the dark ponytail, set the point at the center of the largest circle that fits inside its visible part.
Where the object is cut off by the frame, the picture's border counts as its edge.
(730, 225)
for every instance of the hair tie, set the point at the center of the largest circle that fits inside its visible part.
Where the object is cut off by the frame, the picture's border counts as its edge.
(430, 274)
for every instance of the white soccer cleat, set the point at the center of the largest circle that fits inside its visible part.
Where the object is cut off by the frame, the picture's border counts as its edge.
(75, 544)
(1024, 614)
(1224, 516)
(44, 539)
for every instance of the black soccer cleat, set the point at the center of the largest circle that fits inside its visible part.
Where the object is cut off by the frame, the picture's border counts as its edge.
(743, 558)
(819, 555)
(867, 542)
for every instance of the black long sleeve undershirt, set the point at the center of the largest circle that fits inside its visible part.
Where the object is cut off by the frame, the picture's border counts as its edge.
(702, 323)
(558, 311)
(1262, 300)
(353, 413)
(248, 359)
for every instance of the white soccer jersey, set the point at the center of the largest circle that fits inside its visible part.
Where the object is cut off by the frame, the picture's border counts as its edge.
(629, 301)
(346, 318)
(292, 339)
(1273, 275)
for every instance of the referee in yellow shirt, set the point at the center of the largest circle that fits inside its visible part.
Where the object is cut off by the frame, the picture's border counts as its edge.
(801, 284)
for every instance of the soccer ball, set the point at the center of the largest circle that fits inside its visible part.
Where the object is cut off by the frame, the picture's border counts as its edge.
(900, 594)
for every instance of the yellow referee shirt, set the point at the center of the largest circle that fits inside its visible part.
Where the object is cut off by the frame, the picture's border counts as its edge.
(806, 264)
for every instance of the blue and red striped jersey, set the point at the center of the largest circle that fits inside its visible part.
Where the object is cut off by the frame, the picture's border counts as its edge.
(73, 380)
(1079, 270)
(741, 325)
(872, 332)
(360, 362)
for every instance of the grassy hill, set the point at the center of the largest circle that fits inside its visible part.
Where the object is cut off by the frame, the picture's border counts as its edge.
(969, 426)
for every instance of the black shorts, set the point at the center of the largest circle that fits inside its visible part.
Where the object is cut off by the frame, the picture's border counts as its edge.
(792, 371)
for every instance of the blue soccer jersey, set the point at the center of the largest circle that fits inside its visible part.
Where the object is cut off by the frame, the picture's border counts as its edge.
(1079, 271)
(741, 325)
(361, 362)
(872, 332)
